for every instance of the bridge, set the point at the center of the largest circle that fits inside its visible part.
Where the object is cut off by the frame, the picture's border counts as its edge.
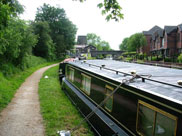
(113, 53)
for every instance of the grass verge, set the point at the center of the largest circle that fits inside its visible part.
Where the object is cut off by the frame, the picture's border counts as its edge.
(9, 85)
(57, 110)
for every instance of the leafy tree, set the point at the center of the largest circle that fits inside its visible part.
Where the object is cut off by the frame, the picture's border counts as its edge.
(111, 9)
(63, 31)
(136, 41)
(45, 47)
(93, 39)
(124, 45)
(105, 46)
(9, 8)
(16, 42)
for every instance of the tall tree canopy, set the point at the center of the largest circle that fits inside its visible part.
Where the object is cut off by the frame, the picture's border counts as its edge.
(63, 31)
(16, 42)
(105, 46)
(9, 8)
(45, 47)
(134, 42)
(93, 39)
(124, 45)
(111, 9)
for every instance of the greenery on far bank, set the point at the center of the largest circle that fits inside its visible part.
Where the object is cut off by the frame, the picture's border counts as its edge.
(9, 84)
(57, 111)
(133, 56)
(133, 43)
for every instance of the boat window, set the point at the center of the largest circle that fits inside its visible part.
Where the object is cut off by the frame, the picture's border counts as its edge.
(165, 126)
(152, 121)
(86, 83)
(71, 74)
(109, 102)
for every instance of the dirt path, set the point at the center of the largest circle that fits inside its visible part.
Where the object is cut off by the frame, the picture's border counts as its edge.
(22, 116)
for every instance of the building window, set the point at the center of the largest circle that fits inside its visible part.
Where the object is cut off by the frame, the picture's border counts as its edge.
(162, 42)
(152, 121)
(86, 83)
(71, 74)
(109, 102)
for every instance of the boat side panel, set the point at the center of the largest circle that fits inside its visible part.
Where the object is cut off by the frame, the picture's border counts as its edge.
(124, 110)
(99, 120)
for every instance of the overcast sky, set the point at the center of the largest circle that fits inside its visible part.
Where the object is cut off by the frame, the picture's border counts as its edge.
(139, 15)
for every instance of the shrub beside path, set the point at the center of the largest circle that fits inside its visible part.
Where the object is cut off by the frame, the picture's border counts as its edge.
(22, 116)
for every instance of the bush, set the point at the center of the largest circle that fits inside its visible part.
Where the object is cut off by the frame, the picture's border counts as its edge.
(100, 57)
(129, 59)
(89, 57)
(31, 61)
(154, 58)
(9, 69)
(125, 54)
(180, 58)
(140, 56)
(121, 57)
(167, 59)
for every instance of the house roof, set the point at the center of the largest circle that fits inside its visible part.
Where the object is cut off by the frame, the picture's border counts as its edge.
(152, 30)
(160, 32)
(180, 27)
(90, 46)
(170, 29)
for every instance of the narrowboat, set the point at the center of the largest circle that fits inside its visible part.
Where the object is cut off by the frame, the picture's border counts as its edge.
(148, 101)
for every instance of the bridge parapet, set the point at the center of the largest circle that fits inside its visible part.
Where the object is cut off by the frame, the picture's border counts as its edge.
(96, 53)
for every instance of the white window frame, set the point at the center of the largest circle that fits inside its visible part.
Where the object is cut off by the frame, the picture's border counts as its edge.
(71, 74)
(86, 83)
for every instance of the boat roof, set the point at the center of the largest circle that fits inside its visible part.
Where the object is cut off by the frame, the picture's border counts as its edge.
(167, 86)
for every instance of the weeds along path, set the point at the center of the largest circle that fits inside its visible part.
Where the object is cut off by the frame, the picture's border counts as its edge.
(22, 116)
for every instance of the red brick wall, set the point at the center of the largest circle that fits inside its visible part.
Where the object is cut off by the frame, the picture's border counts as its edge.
(179, 39)
(171, 43)
(159, 43)
(165, 40)
(146, 49)
(171, 40)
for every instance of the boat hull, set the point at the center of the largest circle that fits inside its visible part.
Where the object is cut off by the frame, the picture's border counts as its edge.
(99, 121)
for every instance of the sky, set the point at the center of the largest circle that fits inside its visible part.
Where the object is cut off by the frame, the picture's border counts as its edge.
(139, 15)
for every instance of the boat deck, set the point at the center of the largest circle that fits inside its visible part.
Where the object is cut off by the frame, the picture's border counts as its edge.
(166, 75)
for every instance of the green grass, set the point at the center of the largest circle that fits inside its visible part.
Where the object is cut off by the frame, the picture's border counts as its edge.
(9, 84)
(57, 110)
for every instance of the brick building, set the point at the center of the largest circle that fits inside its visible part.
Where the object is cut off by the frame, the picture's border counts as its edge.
(82, 47)
(164, 42)
(150, 36)
(170, 33)
(179, 39)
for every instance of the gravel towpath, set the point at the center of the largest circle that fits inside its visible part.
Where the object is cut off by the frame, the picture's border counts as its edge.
(22, 116)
